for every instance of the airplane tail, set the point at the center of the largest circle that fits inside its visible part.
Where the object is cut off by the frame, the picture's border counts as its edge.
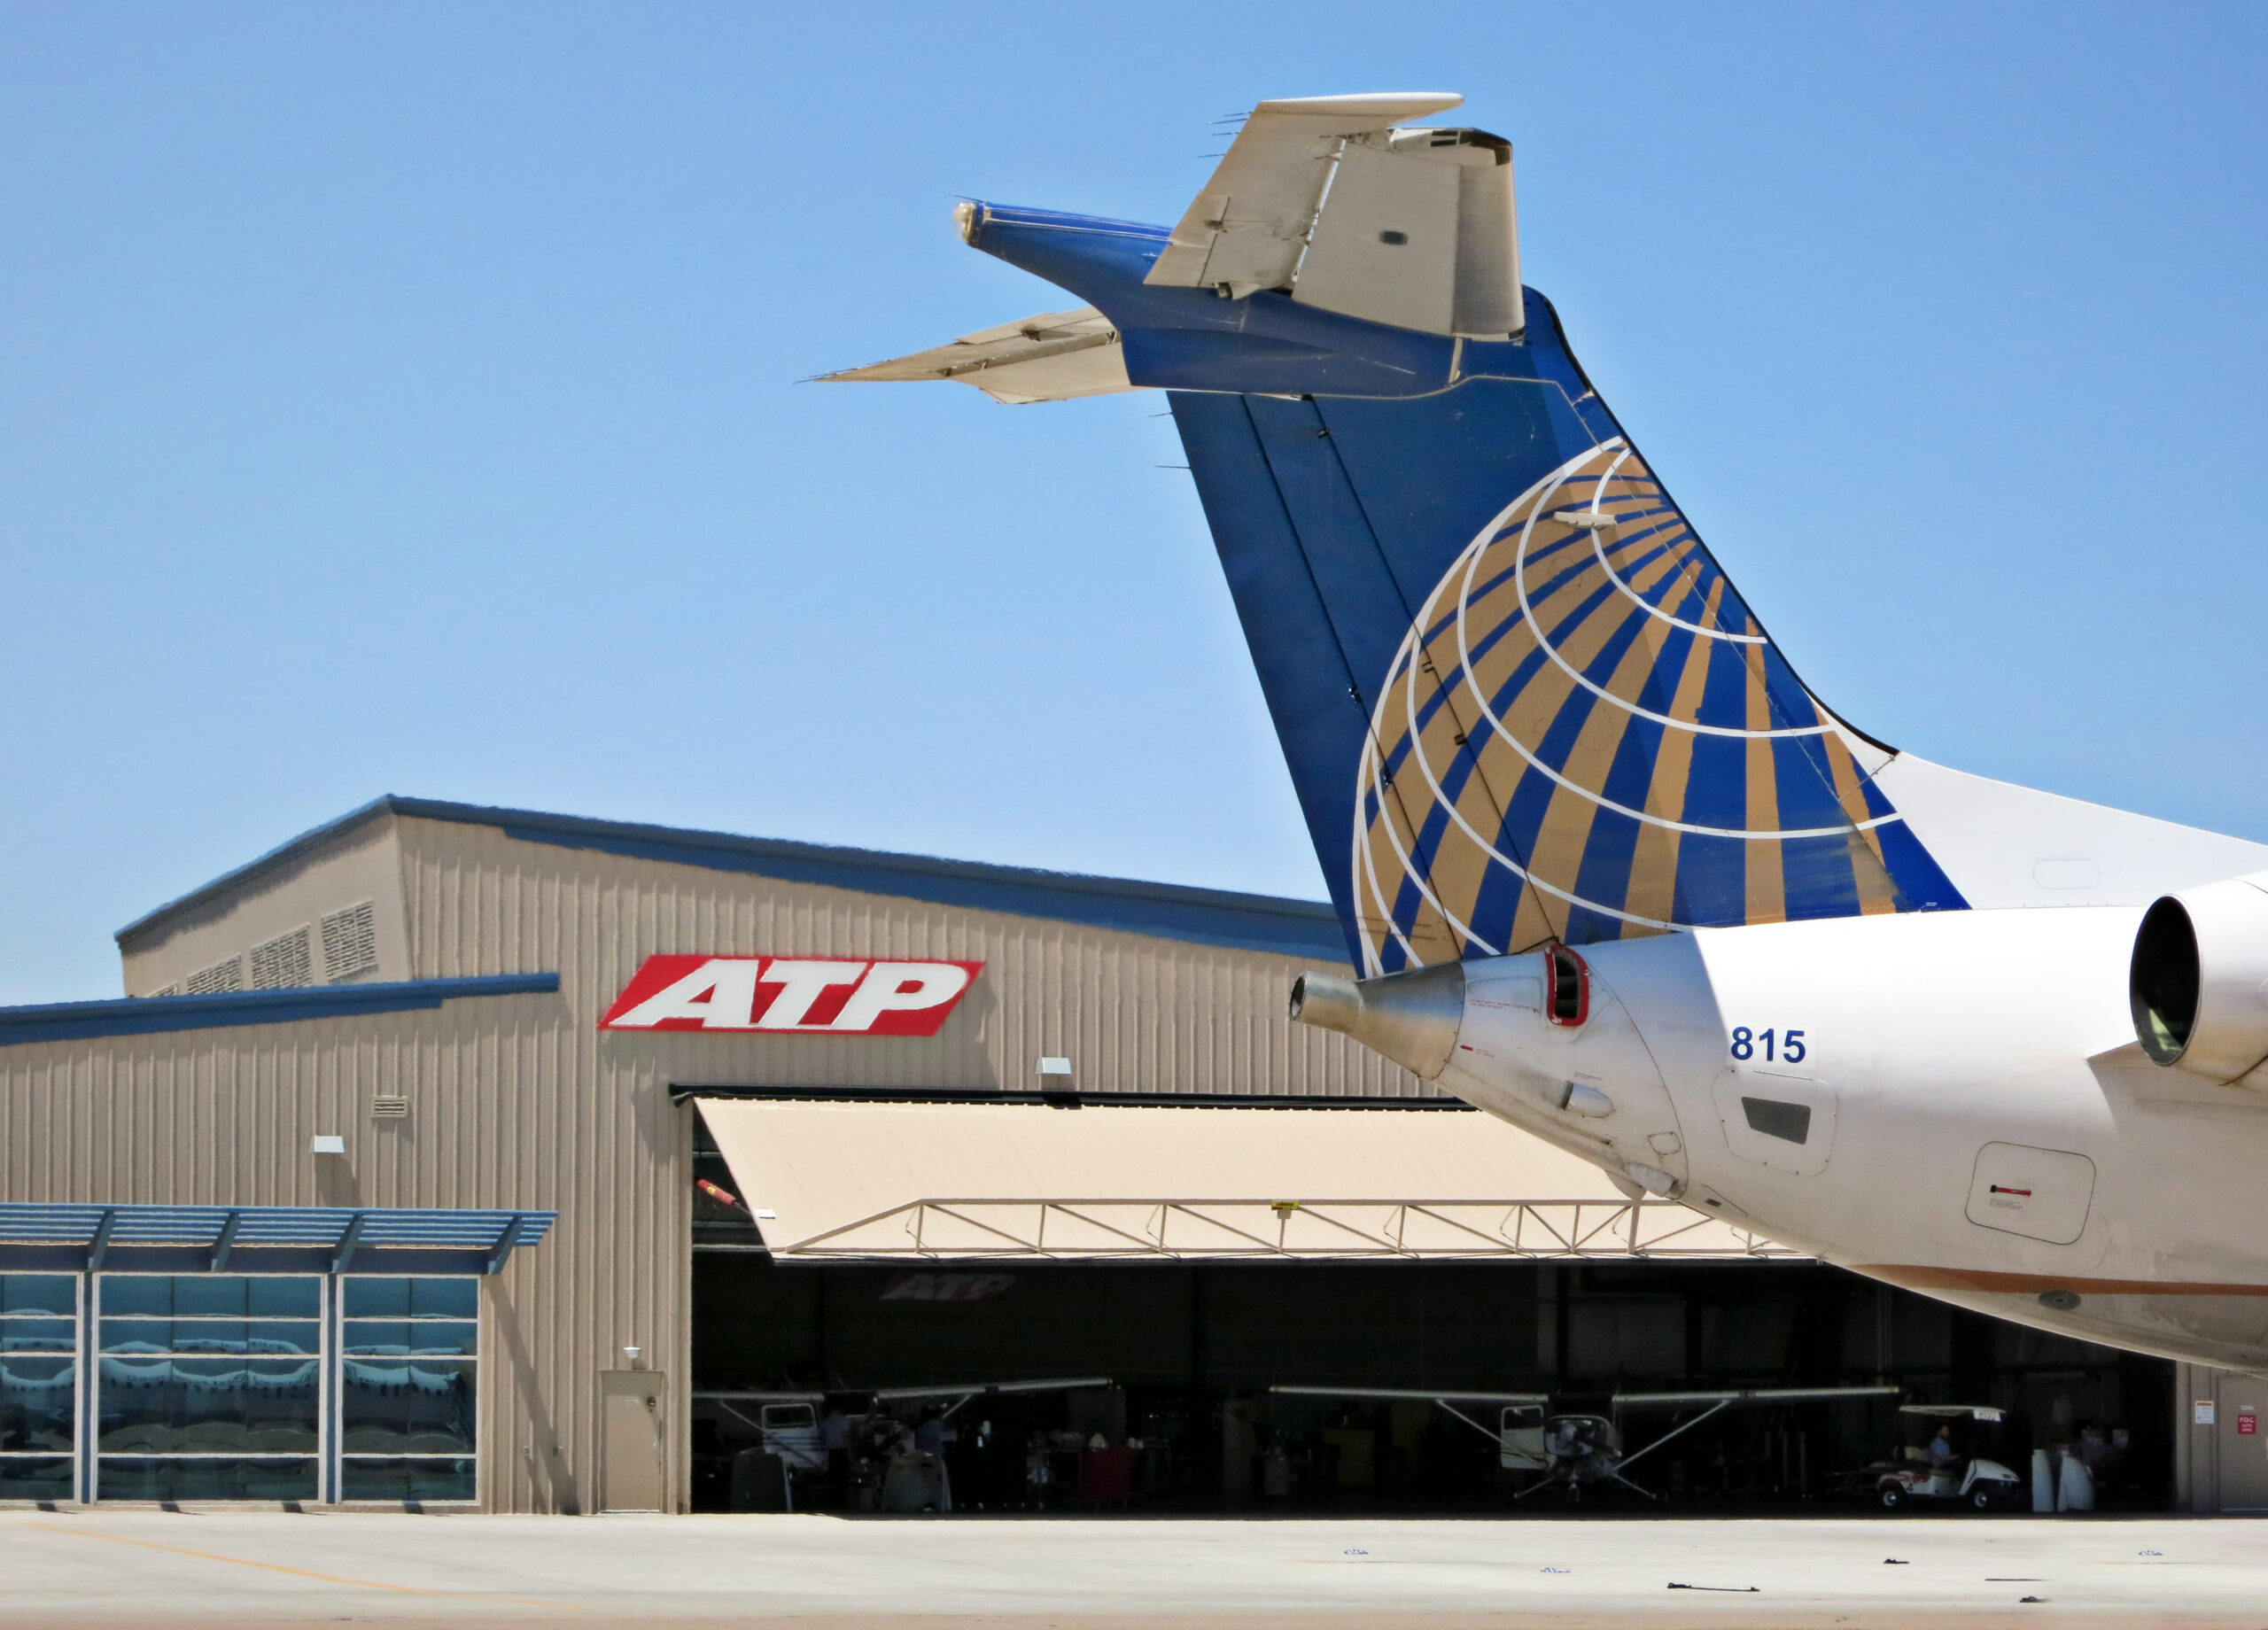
(1520, 700)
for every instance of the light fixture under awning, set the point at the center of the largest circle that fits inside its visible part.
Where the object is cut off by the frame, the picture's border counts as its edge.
(984, 1181)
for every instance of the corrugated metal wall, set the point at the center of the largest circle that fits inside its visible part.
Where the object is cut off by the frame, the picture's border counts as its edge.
(363, 863)
(1134, 1013)
(223, 1117)
(521, 1101)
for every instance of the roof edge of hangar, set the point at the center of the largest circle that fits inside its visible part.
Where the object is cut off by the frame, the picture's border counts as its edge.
(154, 1015)
(1170, 910)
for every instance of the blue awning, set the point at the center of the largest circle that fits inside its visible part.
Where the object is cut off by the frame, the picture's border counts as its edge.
(263, 1239)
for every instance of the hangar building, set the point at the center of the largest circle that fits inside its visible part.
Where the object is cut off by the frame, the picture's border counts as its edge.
(471, 1158)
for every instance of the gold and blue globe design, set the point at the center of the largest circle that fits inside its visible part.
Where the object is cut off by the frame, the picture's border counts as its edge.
(1586, 736)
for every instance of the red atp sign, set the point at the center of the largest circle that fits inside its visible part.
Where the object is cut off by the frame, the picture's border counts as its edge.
(2247, 1424)
(805, 996)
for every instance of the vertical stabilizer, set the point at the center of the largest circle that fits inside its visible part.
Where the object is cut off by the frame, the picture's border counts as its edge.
(1519, 699)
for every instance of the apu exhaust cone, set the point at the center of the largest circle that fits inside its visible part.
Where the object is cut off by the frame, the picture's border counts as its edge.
(1411, 1018)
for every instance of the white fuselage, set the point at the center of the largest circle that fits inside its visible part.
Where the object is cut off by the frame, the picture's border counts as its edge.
(1963, 1111)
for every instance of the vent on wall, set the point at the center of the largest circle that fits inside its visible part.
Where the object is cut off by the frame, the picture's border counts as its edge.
(388, 1105)
(220, 976)
(282, 962)
(350, 942)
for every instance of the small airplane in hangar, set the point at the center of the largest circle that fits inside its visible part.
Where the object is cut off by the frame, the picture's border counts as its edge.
(887, 1468)
(1573, 1449)
(1606, 867)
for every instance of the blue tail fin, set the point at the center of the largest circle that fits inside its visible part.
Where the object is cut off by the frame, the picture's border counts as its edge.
(1520, 700)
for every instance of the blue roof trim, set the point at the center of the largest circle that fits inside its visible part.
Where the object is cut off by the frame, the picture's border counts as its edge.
(290, 849)
(1237, 922)
(152, 1016)
(1170, 911)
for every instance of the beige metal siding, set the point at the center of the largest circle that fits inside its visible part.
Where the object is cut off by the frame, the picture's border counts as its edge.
(223, 1117)
(1133, 1013)
(363, 863)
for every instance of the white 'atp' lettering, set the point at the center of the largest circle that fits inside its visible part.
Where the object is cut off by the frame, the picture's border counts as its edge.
(720, 993)
(900, 987)
(804, 984)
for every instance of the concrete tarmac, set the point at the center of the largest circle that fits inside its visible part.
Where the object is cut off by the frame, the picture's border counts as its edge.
(108, 1568)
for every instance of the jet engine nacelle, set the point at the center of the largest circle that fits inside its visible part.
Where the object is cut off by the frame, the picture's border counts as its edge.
(1415, 1018)
(1411, 1018)
(2199, 978)
(1536, 1037)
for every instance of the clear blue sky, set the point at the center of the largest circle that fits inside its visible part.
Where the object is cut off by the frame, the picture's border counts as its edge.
(401, 397)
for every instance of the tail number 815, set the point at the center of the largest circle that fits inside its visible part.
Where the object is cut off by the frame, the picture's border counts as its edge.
(1777, 1046)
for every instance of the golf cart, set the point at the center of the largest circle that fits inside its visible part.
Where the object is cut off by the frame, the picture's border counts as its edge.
(1977, 1474)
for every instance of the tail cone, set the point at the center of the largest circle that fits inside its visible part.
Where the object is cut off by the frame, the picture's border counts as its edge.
(1411, 1018)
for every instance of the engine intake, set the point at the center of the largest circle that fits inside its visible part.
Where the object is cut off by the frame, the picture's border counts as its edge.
(2199, 979)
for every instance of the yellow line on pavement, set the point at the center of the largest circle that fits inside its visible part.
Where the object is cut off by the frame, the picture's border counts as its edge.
(277, 1567)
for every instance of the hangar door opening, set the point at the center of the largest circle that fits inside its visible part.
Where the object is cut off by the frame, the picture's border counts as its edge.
(1093, 1310)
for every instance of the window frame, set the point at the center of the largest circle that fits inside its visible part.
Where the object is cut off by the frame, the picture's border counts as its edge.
(329, 1456)
(339, 1455)
(93, 1455)
(73, 1354)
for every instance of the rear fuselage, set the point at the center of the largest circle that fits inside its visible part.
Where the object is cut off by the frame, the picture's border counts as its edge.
(1953, 1102)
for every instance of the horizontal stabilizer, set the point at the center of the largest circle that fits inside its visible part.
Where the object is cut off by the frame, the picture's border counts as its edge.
(1324, 198)
(1245, 230)
(1051, 358)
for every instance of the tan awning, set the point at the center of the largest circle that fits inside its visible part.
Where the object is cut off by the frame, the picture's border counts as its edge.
(1009, 1180)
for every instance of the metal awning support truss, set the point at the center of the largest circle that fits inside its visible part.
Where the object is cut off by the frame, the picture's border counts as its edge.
(1084, 1229)
(262, 1238)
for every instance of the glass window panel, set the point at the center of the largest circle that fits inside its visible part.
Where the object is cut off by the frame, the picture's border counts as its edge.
(37, 1402)
(140, 1479)
(212, 1296)
(406, 1405)
(444, 1298)
(31, 1478)
(281, 1336)
(375, 1299)
(136, 1293)
(412, 1299)
(256, 1336)
(209, 1405)
(401, 1337)
(283, 1296)
(56, 1293)
(216, 1296)
(199, 1336)
(21, 1335)
(135, 1335)
(407, 1479)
